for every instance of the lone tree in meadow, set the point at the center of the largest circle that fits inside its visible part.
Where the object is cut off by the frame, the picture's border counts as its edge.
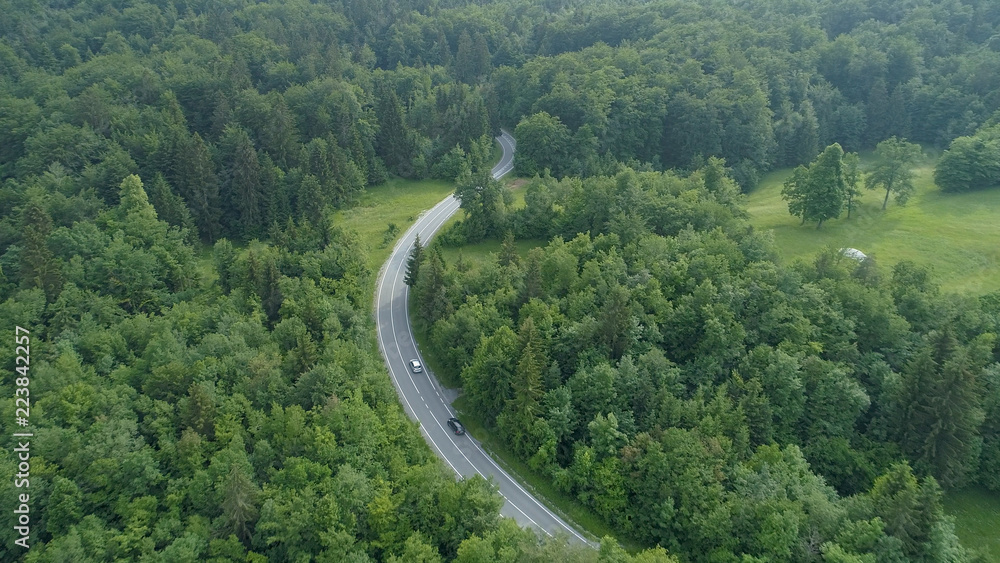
(817, 193)
(852, 181)
(892, 171)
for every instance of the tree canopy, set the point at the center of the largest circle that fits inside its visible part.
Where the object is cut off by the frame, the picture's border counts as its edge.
(204, 381)
(652, 358)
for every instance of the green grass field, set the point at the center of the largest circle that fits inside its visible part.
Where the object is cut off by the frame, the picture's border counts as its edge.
(397, 201)
(977, 520)
(956, 235)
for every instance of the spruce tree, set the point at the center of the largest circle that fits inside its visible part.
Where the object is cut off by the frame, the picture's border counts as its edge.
(430, 288)
(508, 251)
(393, 142)
(942, 410)
(38, 266)
(413, 263)
(242, 193)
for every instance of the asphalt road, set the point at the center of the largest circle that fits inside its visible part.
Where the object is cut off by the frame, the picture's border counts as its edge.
(423, 398)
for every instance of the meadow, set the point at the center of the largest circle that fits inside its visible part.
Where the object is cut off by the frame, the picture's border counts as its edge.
(397, 202)
(956, 235)
(977, 519)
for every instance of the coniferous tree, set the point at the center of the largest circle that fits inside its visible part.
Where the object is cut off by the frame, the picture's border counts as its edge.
(508, 251)
(430, 287)
(239, 500)
(39, 268)
(310, 201)
(196, 182)
(169, 206)
(241, 189)
(394, 141)
(878, 112)
(942, 410)
(413, 263)
(465, 64)
(522, 408)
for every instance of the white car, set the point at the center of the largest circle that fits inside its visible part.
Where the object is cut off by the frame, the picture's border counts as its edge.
(415, 366)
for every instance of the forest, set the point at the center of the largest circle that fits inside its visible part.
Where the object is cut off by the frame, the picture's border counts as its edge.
(657, 364)
(204, 379)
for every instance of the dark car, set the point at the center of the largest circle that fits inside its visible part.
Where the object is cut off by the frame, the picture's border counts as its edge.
(456, 426)
(415, 366)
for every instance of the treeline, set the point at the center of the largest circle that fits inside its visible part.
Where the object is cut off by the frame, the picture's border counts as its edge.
(231, 408)
(762, 85)
(671, 83)
(656, 363)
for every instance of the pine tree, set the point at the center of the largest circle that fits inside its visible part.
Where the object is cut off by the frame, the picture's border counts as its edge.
(241, 184)
(508, 251)
(39, 268)
(413, 262)
(394, 140)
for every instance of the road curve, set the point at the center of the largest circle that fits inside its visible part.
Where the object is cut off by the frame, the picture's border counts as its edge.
(422, 396)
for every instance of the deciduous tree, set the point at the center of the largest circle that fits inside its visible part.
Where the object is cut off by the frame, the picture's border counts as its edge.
(892, 169)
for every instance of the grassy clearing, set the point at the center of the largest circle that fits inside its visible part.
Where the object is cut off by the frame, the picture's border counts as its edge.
(977, 519)
(956, 235)
(487, 251)
(397, 201)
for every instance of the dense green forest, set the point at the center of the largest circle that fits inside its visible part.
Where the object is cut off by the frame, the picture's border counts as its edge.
(205, 381)
(657, 364)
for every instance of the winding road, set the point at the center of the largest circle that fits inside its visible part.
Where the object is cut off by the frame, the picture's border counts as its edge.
(423, 398)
